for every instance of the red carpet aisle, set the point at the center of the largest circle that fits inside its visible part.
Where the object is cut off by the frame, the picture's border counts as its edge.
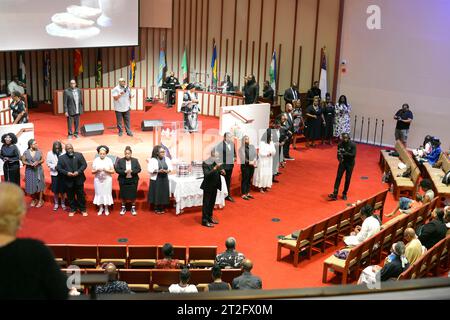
(298, 200)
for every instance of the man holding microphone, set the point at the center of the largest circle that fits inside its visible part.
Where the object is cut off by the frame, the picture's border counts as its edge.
(122, 103)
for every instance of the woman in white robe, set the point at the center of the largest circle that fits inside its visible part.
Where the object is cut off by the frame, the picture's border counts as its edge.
(262, 177)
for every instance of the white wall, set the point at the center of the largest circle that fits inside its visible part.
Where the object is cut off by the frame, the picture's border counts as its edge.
(406, 61)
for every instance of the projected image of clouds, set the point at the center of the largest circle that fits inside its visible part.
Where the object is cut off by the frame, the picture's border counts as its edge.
(81, 21)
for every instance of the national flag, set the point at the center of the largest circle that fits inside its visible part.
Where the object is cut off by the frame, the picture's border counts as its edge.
(323, 75)
(132, 68)
(77, 63)
(22, 70)
(184, 67)
(99, 73)
(162, 65)
(46, 68)
(273, 71)
(214, 66)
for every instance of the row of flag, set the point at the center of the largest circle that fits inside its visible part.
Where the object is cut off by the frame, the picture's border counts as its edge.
(78, 68)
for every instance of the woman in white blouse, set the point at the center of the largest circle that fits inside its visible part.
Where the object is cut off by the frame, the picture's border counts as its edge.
(103, 168)
(57, 180)
(159, 167)
(262, 178)
(370, 226)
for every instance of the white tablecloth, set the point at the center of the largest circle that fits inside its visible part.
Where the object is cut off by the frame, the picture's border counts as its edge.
(187, 192)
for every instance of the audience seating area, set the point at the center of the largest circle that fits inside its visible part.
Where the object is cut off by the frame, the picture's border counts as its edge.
(436, 175)
(129, 256)
(372, 251)
(159, 280)
(328, 230)
(390, 164)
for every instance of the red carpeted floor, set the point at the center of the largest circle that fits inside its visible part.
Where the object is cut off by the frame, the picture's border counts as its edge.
(297, 201)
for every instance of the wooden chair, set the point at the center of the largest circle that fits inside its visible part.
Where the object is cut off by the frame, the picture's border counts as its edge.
(142, 256)
(201, 278)
(202, 256)
(137, 280)
(229, 274)
(317, 237)
(179, 252)
(295, 246)
(345, 225)
(83, 255)
(377, 202)
(116, 254)
(162, 279)
(344, 267)
(60, 253)
(333, 229)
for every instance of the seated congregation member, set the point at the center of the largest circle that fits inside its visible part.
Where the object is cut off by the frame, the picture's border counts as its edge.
(407, 205)
(434, 231)
(167, 262)
(447, 218)
(369, 227)
(28, 268)
(113, 285)
(17, 106)
(128, 169)
(34, 173)
(414, 248)
(434, 155)
(247, 280)
(72, 165)
(159, 167)
(247, 156)
(57, 180)
(183, 286)
(103, 168)
(425, 149)
(10, 154)
(263, 177)
(217, 284)
(230, 259)
(314, 122)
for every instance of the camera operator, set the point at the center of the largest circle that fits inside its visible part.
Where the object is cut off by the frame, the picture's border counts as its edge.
(404, 118)
(346, 154)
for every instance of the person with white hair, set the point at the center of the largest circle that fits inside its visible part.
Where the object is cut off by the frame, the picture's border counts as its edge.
(122, 105)
(28, 267)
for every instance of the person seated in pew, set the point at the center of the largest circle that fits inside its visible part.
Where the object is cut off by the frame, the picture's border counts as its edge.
(425, 149)
(247, 280)
(217, 284)
(394, 265)
(407, 205)
(369, 227)
(167, 262)
(230, 259)
(447, 219)
(414, 248)
(434, 155)
(434, 231)
(183, 286)
(113, 285)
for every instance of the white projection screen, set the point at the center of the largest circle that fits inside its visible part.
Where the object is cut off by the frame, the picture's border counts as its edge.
(50, 24)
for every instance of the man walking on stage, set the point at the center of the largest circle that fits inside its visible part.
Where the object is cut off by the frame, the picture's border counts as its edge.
(122, 103)
(346, 155)
(212, 169)
(73, 107)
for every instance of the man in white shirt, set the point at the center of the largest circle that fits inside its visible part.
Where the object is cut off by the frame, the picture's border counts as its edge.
(183, 286)
(122, 103)
(370, 226)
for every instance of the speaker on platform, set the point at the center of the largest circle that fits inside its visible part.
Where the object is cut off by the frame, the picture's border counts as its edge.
(92, 129)
(148, 125)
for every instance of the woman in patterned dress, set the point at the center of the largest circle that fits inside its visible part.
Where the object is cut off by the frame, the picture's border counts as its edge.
(342, 119)
(34, 173)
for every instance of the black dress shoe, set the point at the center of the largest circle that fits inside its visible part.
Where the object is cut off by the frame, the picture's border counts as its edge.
(213, 221)
(344, 197)
(275, 181)
(207, 224)
(332, 197)
(229, 198)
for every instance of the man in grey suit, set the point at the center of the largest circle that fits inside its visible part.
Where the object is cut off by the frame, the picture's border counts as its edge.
(73, 107)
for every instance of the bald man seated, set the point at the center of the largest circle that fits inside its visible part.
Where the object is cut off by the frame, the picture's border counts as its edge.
(113, 286)
(414, 249)
(247, 280)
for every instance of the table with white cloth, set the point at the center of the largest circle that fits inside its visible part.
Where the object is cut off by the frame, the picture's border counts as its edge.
(187, 192)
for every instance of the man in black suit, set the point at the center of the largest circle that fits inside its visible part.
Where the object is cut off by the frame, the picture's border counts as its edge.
(172, 84)
(291, 94)
(251, 90)
(346, 156)
(212, 169)
(313, 92)
(72, 165)
(227, 156)
(73, 107)
(289, 125)
(268, 92)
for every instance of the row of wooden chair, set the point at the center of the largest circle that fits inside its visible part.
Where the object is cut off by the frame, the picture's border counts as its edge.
(159, 280)
(329, 230)
(390, 164)
(434, 262)
(129, 256)
(372, 250)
